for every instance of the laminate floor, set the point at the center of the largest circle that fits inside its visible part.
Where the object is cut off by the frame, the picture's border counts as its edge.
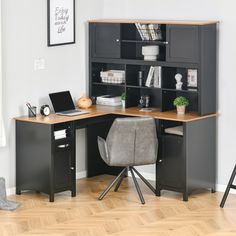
(119, 213)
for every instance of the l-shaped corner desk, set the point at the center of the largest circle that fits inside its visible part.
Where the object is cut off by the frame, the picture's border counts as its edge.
(45, 164)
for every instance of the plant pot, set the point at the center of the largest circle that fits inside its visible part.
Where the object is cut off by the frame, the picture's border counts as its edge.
(123, 103)
(181, 110)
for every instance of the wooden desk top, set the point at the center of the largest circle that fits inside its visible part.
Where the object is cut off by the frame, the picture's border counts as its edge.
(141, 21)
(98, 110)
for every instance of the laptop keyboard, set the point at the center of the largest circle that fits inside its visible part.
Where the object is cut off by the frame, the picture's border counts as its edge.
(70, 111)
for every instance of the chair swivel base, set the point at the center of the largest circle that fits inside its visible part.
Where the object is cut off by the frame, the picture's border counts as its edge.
(120, 177)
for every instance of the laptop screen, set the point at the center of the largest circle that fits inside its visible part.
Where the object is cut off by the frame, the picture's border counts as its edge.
(62, 101)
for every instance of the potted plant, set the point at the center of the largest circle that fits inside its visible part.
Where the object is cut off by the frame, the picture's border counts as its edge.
(123, 98)
(181, 103)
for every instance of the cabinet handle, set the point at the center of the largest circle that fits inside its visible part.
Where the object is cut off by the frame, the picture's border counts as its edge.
(72, 168)
(63, 145)
(160, 161)
(165, 42)
(117, 40)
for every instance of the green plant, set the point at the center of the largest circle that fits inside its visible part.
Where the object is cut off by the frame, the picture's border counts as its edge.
(123, 96)
(181, 101)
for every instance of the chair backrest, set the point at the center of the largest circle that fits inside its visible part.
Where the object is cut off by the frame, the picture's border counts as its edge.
(132, 141)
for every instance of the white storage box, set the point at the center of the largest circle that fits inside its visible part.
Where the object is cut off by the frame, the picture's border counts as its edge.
(113, 76)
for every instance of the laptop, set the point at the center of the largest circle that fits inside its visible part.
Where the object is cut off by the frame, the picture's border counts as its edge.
(63, 104)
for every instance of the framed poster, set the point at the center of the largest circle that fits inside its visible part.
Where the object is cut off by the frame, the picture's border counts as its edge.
(61, 22)
(192, 78)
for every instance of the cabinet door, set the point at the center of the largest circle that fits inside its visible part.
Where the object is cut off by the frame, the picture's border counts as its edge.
(106, 40)
(62, 166)
(183, 43)
(171, 167)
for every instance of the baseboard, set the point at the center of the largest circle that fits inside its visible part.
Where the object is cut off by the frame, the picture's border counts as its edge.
(152, 177)
(11, 191)
(81, 174)
(148, 176)
(222, 187)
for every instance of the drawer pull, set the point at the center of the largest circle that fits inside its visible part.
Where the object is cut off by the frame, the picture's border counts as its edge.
(63, 145)
(72, 168)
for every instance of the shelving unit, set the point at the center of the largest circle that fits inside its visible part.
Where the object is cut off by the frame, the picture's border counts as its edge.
(118, 45)
(184, 162)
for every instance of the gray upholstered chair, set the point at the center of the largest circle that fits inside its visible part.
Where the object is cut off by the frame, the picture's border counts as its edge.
(130, 142)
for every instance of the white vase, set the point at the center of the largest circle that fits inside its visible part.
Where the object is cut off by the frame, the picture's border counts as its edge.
(181, 110)
(123, 103)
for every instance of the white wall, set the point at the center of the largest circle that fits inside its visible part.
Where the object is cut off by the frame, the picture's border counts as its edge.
(224, 11)
(24, 39)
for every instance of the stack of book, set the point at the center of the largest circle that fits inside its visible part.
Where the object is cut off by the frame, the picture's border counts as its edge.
(60, 134)
(154, 77)
(149, 31)
(109, 100)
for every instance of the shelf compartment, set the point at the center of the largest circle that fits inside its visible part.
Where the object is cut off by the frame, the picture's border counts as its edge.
(98, 89)
(130, 32)
(134, 94)
(169, 82)
(132, 74)
(97, 67)
(169, 96)
(130, 50)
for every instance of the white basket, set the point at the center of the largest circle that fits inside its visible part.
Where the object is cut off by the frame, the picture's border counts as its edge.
(113, 76)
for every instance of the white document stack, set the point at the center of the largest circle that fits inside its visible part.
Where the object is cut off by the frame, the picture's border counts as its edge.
(109, 100)
(60, 134)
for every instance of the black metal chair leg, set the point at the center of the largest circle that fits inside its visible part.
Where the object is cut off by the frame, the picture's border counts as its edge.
(230, 185)
(103, 194)
(119, 182)
(144, 180)
(137, 187)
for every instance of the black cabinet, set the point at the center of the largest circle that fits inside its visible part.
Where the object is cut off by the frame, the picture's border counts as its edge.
(171, 163)
(105, 40)
(43, 163)
(63, 166)
(183, 43)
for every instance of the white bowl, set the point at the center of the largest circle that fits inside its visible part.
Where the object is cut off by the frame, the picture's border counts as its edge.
(150, 52)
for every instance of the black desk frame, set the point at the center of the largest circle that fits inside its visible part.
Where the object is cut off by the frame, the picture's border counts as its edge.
(189, 164)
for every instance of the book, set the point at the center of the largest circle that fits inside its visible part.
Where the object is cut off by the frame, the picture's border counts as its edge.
(138, 26)
(157, 77)
(145, 31)
(152, 32)
(149, 81)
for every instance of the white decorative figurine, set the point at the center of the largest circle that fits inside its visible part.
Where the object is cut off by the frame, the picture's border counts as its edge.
(179, 84)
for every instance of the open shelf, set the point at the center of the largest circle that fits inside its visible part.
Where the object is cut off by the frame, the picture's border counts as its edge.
(181, 90)
(157, 42)
(108, 84)
(141, 87)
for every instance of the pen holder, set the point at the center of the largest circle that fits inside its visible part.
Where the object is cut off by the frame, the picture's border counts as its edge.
(32, 112)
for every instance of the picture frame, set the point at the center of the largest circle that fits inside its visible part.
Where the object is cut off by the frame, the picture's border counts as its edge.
(192, 78)
(61, 22)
